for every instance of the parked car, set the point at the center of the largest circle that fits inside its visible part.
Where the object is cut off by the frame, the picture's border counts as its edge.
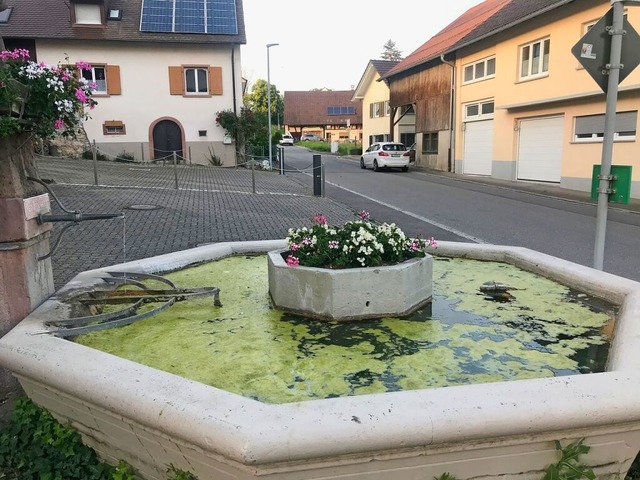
(311, 137)
(287, 139)
(386, 155)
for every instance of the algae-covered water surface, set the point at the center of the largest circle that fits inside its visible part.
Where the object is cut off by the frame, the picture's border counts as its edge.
(249, 348)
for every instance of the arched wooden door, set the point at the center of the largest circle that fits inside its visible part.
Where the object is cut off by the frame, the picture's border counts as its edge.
(167, 138)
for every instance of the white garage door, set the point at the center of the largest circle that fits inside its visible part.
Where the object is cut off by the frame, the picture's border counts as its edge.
(478, 147)
(540, 149)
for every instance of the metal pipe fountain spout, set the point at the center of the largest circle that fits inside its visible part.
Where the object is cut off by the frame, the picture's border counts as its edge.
(76, 217)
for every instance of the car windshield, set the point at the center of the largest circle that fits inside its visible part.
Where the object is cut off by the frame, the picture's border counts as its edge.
(394, 147)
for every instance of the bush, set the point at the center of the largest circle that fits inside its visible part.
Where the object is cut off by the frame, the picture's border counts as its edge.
(124, 157)
(88, 155)
(36, 446)
(355, 151)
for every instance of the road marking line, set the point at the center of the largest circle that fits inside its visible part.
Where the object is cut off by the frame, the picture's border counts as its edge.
(418, 217)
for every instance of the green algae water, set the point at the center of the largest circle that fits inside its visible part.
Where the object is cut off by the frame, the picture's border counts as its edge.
(248, 348)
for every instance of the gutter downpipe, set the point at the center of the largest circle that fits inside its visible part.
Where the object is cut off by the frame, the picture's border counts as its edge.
(452, 113)
(233, 77)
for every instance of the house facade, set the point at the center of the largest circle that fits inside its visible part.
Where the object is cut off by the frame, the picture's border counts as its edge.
(330, 114)
(158, 88)
(522, 106)
(377, 123)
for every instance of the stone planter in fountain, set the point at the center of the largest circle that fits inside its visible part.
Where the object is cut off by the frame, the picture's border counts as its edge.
(353, 293)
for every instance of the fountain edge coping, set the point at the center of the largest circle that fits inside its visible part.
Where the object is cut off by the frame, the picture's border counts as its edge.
(251, 432)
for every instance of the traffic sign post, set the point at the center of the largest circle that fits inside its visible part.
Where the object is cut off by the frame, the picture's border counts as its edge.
(600, 51)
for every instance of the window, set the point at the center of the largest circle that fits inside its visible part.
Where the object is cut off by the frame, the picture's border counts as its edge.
(387, 108)
(407, 139)
(374, 110)
(196, 81)
(479, 111)
(115, 14)
(87, 14)
(5, 15)
(430, 142)
(407, 110)
(534, 59)
(590, 128)
(113, 127)
(97, 75)
(480, 70)
(341, 110)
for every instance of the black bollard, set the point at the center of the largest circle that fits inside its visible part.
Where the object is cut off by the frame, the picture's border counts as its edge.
(317, 176)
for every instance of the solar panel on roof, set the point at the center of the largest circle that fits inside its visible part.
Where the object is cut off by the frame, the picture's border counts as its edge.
(189, 16)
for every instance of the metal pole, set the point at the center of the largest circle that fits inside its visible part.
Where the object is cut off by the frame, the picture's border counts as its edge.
(322, 173)
(604, 185)
(142, 152)
(282, 161)
(95, 163)
(190, 159)
(269, 45)
(317, 176)
(253, 176)
(175, 168)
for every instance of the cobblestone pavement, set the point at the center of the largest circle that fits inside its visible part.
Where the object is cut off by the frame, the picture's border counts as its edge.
(188, 177)
(183, 218)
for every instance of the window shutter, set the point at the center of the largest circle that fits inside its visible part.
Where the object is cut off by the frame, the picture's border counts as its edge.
(381, 107)
(371, 110)
(113, 80)
(176, 83)
(215, 80)
(626, 121)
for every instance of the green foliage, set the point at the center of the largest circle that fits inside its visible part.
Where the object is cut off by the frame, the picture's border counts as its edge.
(88, 155)
(258, 100)
(177, 474)
(36, 446)
(568, 467)
(355, 244)
(214, 160)
(445, 476)
(247, 128)
(124, 157)
(39, 98)
(390, 51)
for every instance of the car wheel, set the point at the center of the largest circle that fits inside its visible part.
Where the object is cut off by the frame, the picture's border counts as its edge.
(405, 169)
(362, 163)
(376, 168)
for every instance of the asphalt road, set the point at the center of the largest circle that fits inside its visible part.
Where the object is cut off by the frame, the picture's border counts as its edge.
(447, 208)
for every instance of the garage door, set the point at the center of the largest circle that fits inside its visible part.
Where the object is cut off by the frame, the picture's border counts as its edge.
(478, 147)
(540, 149)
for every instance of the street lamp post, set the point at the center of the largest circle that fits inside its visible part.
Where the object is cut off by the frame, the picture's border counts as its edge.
(269, 45)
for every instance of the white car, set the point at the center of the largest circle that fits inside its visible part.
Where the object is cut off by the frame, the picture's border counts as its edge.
(287, 139)
(386, 155)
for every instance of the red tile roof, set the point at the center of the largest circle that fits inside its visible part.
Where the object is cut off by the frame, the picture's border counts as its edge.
(450, 35)
(310, 108)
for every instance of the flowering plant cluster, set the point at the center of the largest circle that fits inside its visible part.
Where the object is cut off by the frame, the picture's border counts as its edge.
(358, 243)
(41, 98)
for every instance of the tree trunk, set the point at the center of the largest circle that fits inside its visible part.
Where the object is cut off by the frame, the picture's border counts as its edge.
(16, 164)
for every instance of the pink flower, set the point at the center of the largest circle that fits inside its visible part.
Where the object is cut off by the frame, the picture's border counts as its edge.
(295, 247)
(306, 241)
(65, 76)
(363, 215)
(292, 261)
(333, 244)
(80, 95)
(58, 124)
(320, 220)
(83, 65)
(433, 242)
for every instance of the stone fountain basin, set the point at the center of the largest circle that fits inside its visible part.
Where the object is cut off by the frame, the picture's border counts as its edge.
(497, 430)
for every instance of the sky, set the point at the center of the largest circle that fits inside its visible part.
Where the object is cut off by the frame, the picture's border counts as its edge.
(328, 44)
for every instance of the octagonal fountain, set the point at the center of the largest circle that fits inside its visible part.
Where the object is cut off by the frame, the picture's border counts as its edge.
(502, 429)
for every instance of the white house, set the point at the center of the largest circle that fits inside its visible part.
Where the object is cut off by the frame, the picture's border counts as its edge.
(162, 68)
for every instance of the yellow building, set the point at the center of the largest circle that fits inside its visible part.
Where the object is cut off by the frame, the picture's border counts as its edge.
(524, 109)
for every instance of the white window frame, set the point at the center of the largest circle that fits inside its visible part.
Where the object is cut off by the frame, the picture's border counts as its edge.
(88, 14)
(376, 110)
(387, 108)
(531, 65)
(98, 83)
(480, 115)
(195, 78)
(474, 65)
(597, 136)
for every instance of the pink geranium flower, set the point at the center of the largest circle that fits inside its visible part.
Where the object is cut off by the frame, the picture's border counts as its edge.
(320, 220)
(58, 124)
(292, 261)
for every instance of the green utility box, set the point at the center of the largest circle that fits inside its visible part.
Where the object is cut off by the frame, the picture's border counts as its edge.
(621, 184)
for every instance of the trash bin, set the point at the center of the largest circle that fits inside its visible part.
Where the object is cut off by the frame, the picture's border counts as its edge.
(334, 147)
